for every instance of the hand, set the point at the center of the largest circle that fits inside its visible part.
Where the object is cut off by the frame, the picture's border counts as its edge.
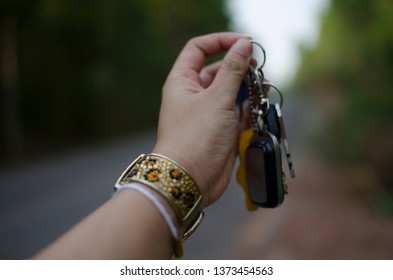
(199, 125)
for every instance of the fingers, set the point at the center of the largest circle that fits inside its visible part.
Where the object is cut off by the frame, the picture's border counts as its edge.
(233, 68)
(208, 73)
(193, 56)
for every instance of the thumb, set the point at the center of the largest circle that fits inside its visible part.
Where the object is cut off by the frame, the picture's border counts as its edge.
(232, 69)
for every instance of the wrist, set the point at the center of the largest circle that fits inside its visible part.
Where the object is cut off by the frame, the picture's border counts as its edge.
(152, 238)
(168, 179)
(188, 162)
(176, 229)
(161, 204)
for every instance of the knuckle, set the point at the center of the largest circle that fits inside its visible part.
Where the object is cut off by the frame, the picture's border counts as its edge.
(232, 66)
(193, 41)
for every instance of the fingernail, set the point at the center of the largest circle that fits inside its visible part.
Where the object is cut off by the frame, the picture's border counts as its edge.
(242, 47)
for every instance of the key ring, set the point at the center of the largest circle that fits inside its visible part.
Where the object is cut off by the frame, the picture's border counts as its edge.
(264, 54)
(266, 83)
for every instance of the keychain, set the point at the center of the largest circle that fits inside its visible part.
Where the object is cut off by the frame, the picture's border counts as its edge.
(260, 171)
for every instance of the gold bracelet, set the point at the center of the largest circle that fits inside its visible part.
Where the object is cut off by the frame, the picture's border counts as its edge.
(174, 183)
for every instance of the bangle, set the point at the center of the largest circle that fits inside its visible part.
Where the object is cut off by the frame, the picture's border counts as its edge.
(175, 230)
(158, 202)
(172, 182)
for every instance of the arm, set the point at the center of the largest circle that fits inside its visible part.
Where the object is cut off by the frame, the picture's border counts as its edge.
(198, 128)
(128, 226)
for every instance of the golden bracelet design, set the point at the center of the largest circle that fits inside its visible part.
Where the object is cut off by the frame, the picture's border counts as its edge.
(172, 181)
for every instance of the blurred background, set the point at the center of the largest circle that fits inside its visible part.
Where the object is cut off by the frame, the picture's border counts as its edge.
(80, 88)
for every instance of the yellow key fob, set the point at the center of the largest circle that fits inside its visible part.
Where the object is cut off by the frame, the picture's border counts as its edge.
(241, 176)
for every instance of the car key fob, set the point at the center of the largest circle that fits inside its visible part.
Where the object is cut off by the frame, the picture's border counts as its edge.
(266, 184)
(272, 122)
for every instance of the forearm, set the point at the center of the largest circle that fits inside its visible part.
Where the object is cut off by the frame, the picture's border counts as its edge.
(128, 226)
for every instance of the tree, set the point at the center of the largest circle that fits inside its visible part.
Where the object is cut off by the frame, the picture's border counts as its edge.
(93, 69)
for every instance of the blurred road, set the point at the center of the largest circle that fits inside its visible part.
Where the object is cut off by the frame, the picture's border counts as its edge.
(41, 200)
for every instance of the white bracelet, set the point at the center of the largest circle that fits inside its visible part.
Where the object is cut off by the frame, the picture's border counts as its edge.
(157, 202)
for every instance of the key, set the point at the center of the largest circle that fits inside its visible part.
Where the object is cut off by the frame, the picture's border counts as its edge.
(284, 183)
(241, 176)
(285, 141)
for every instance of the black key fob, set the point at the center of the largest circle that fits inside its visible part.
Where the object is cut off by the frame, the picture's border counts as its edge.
(264, 171)
(272, 122)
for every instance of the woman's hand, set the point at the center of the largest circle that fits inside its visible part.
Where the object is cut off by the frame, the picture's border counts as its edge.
(199, 125)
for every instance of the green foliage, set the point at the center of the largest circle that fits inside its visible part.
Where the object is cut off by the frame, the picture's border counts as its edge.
(91, 69)
(353, 62)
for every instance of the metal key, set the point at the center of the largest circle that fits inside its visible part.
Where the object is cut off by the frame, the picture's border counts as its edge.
(285, 141)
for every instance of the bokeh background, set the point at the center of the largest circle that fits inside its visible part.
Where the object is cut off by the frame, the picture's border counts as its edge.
(80, 88)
